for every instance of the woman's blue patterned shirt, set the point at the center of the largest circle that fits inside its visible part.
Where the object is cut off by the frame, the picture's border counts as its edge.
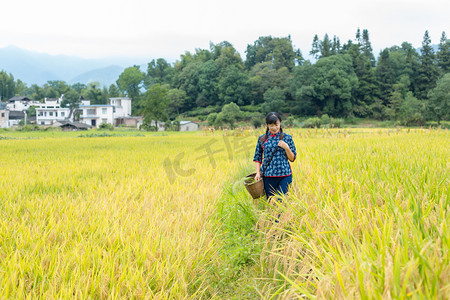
(279, 166)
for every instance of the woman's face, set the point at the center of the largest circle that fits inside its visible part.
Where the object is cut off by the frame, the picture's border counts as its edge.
(274, 128)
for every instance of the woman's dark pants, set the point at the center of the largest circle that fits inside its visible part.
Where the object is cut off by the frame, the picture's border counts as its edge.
(276, 185)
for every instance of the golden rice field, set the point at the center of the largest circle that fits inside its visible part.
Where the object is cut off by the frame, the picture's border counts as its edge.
(165, 216)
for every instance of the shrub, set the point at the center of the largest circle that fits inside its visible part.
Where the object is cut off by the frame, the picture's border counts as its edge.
(290, 121)
(336, 123)
(325, 120)
(312, 122)
(257, 122)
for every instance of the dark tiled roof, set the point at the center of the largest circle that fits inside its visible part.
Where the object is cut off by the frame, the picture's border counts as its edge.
(19, 98)
(16, 115)
(74, 124)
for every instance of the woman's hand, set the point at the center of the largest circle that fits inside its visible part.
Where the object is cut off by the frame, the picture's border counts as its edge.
(282, 144)
(289, 153)
(258, 176)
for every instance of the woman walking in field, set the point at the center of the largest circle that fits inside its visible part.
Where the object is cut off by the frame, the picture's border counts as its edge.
(274, 150)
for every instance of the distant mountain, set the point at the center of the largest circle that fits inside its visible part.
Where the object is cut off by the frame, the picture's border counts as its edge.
(106, 76)
(38, 68)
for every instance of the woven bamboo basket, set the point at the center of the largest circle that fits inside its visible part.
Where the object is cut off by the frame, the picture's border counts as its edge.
(255, 188)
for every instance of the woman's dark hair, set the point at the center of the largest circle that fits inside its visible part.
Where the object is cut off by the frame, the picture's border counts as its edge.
(272, 118)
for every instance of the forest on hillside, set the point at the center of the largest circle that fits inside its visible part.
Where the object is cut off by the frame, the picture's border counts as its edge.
(344, 80)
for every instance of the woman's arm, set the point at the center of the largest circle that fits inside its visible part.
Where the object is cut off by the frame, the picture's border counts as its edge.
(289, 153)
(258, 170)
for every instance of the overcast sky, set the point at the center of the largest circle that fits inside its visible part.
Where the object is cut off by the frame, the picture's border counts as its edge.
(168, 28)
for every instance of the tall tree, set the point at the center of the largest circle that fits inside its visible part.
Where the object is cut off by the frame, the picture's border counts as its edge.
(58, 87)
(443, 54)
(234, 86)
(274, 100)
(94, 93)
(264, 76)
(385, 75)
(230, 114)
(325, 87)
(7, 85)
(336, 46)
(367, 91)
(159, 71)
(325, 46)
(113, 91)
(439, 99)
(78, 87)
(21, 87)
(177, 99)
(279, 51)
(130, 82)
(154, 104)
(315, 47)
(427, 72)
(366, 47)
(72, 100)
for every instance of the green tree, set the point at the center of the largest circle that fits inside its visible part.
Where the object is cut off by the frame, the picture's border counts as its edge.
(234, 86)
(385, 75)
(58, 88)
(154, 104)
(410, 112)
(36, 92)
(367, 91)
(72, 101)
(230, 114)
(336, 46)
(159, 71)
(225, 55)
(49, 91)
(279, 51)
(130, 82)
(78, 87)
(93, 93)
(325, 46)
(315, 48)
(325, 87)
(439, 99)
(398, 96)
(21, 87)
(113, 91)
(264, 76)
(443, 54)
(177, 99)
(274, 100)
(7, 86)
(366, 47)
(427, 72)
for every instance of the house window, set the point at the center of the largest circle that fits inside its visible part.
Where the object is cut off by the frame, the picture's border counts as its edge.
(91, 112)
(104, 110)
(50, 113)
(56, 113)
(63, 114)
(42, 123)
(3, 115)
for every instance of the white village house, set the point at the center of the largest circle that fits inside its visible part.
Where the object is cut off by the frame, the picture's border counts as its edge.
(20, 103)
(51, 111)
(118, 112)
(4, 116)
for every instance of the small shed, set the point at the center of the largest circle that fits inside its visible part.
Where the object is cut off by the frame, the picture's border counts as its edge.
(188, 126)
(73, 126)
